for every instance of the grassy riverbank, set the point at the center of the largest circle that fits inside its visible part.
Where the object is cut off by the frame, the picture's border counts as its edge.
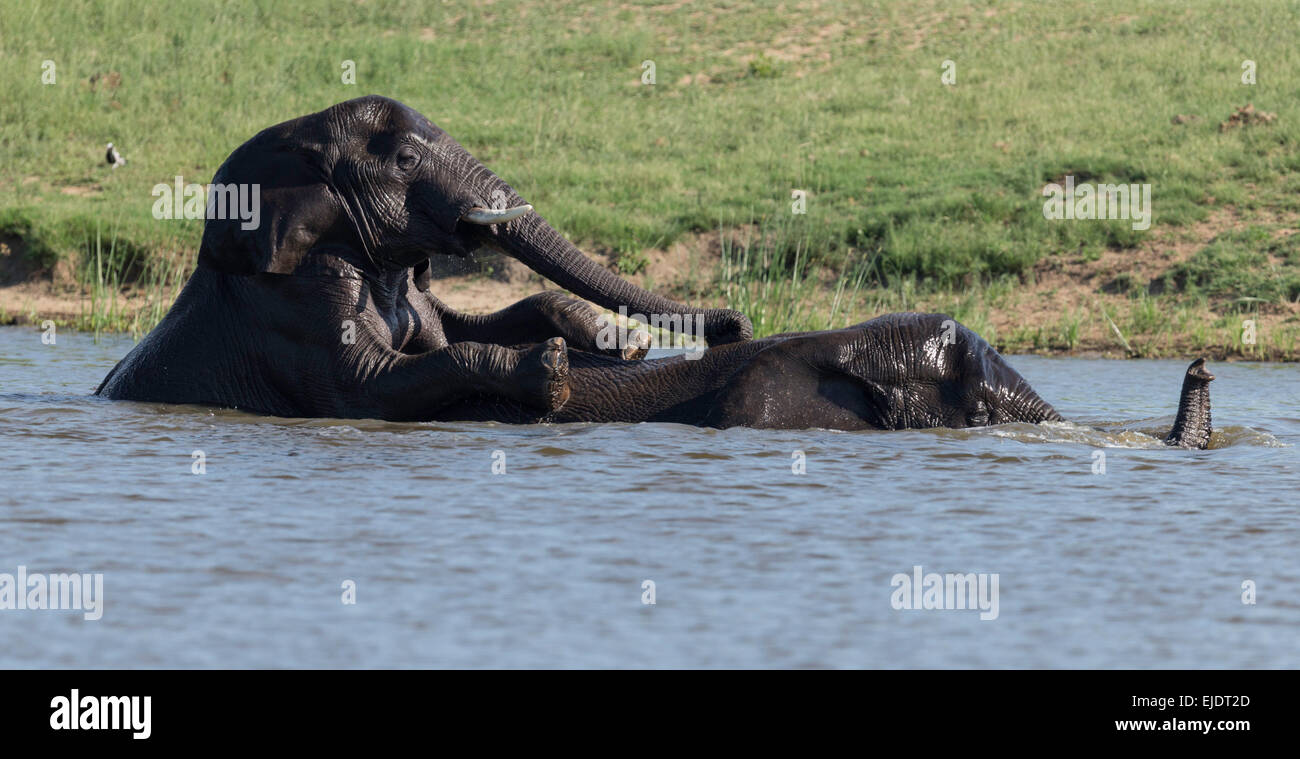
(919, 194)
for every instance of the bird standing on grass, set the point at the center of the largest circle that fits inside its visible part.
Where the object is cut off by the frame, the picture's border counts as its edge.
(113, 157)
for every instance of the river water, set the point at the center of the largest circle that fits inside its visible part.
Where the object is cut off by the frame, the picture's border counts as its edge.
(546, 564)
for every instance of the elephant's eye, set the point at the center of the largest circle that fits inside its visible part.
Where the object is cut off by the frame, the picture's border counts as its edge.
(406, 159)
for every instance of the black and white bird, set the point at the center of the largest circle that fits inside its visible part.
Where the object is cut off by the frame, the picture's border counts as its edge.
(113, 157)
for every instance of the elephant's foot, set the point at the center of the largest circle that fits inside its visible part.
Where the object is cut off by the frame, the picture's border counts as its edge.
(585, 328)
(542, 375)
(638, 345)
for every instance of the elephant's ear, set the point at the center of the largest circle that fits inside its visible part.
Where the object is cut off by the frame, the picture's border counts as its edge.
(285, 206)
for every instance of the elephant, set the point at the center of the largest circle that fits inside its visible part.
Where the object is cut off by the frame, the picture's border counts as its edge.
(897, 371)
(319, 305)
(323, 309)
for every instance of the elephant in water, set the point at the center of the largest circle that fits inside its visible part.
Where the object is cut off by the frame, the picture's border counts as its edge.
(321, 307)
(898, 371)
(318, 304)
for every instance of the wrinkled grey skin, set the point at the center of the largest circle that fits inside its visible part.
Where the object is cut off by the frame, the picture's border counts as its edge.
(1192, 425)
(324, 309)
(898, 371)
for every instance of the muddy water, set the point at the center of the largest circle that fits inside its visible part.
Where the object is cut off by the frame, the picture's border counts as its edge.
(753, 565)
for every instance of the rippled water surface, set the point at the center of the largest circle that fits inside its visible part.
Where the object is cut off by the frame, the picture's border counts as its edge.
(753, 565)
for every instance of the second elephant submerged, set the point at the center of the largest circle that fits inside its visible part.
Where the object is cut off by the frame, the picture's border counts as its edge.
(898, 371)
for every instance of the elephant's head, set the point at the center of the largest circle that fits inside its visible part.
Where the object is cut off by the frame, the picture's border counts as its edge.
(977, 385)
(928, 370)
(376, 178)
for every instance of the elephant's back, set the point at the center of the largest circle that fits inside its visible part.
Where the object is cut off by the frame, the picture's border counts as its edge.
(154, 371)
(199, 353)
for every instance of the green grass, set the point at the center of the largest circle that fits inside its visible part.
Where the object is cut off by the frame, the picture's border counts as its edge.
(110, 265)
(1245, 267)
(913, 186)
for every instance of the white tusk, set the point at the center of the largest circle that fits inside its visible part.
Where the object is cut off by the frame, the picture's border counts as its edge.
(487, 216)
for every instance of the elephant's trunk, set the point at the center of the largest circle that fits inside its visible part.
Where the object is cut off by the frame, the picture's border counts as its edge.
(536, 243)
(1192, 426)
(1030, 407)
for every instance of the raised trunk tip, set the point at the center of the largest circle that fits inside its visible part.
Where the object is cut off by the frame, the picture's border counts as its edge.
(1192, 427)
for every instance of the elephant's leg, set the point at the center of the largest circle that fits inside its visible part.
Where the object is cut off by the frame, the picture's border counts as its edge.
(416, 387)
(538, 317)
